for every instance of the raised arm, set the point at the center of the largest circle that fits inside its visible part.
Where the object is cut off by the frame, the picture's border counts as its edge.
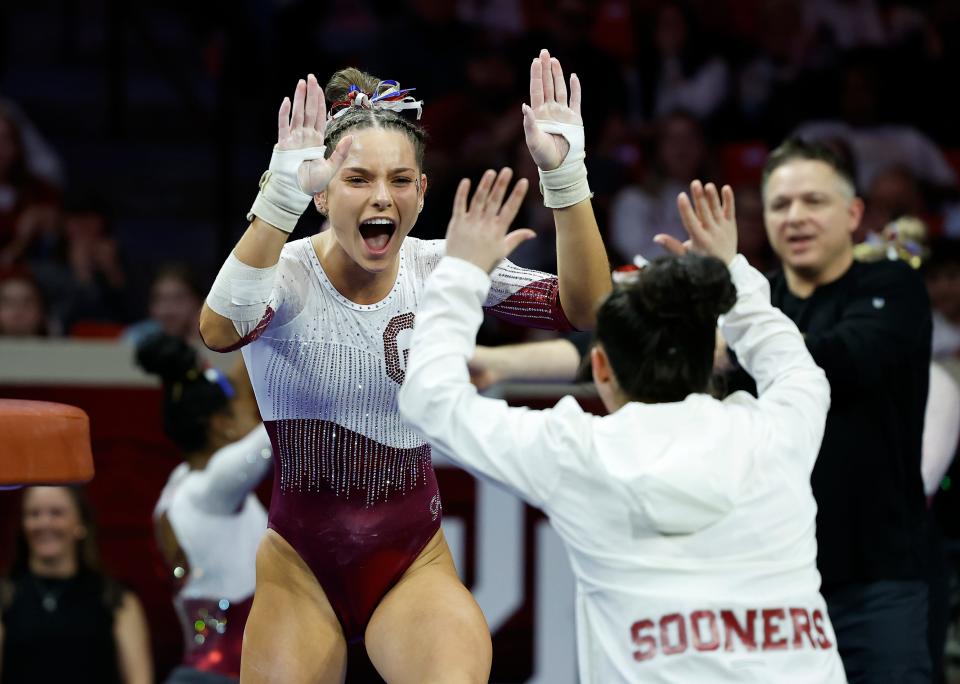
(514, 446)
(553, 128)
(232, 473)
(239, 301)
(793, 391)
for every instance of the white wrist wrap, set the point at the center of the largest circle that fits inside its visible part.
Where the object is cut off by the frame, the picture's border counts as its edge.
(241, 293)
(281, 200)
(565, 185)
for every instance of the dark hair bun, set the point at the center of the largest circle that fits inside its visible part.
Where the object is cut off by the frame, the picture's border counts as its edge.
(167, 356)
(694, 289)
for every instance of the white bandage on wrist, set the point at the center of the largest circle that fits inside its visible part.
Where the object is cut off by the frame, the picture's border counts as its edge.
(242, 293)
(281, 201)
(566, 185)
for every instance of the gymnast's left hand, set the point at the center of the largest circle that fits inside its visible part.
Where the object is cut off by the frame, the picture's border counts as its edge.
(548, 103)
(478, 233)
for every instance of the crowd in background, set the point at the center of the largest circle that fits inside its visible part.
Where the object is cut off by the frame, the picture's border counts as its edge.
(673, 91)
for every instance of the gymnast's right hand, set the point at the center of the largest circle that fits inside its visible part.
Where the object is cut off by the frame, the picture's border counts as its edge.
(301, 127)
(298, 169)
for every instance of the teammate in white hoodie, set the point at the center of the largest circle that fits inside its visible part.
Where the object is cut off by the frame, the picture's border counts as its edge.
(689, 521)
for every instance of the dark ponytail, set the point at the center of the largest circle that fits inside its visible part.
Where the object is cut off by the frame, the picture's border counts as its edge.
(190, 398)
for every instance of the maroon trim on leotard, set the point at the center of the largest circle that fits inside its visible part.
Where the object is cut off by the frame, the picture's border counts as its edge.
(357, 511)
(536, 305)
(248, 338)
(213, 632)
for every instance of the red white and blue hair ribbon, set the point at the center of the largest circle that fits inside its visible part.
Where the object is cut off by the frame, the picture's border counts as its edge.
(387, 95)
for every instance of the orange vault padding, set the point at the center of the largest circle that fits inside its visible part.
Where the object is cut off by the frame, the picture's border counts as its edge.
(43, 443)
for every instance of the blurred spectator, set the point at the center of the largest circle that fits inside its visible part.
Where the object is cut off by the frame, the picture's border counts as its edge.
(43, 162)
(63, 619)
(477, 124)
(639, 212)
(895, 192)
(878, 146)
(846, 24)
(851, 24)
(500, 16)
(23, 307)
(681, 72)
(565, 28)
(27, 204)
(767, 80)
(83, 277)
(942, 274)
(349, 28)
(427, 22)
(176, 296)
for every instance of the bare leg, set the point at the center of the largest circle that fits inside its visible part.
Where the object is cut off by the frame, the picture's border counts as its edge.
(292, 634)
(428, 628)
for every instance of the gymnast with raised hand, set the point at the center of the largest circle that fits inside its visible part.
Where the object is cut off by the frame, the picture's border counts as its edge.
(689, 521)
(354, 549)
(208, 522)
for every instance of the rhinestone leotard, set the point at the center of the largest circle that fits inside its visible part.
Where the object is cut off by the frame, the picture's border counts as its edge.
(354, 490)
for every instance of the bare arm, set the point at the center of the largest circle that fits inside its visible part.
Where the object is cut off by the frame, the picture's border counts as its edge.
(133, 641)
(549, 361)
(286, 191)
(582, 265)
(553, 129)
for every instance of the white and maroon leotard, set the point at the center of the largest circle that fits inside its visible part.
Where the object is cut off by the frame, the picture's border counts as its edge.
(354, 490)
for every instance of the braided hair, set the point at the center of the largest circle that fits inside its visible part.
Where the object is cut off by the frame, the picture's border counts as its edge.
(338, 92)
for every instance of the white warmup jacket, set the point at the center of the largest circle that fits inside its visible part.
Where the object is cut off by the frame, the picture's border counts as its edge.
(690, 525)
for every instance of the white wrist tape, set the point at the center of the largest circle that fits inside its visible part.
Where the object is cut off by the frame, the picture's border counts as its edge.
(566, 185)
(242, 293)
(281, 200)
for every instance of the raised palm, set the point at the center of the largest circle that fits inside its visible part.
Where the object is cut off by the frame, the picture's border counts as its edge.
(548, 102)
(301, 126)
(710, 219)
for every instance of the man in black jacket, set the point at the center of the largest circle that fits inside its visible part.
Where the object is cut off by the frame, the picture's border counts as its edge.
(868, 326)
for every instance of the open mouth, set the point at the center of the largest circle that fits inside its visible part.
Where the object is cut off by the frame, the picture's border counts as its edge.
(800, 240)
(376, 233)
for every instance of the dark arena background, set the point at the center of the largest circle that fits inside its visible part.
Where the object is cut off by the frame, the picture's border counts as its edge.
(133, 134)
